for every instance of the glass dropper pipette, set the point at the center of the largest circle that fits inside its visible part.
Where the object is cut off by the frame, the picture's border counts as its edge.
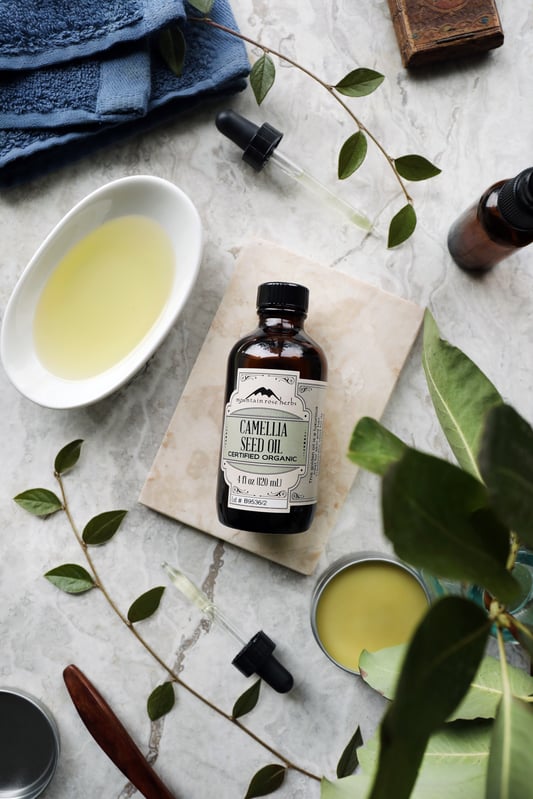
(255, 655)
(259, 145)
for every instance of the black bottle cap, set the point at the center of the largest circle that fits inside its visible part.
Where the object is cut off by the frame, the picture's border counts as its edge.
(515, 200)
(257, 658)
(283, 295)
(258, 143)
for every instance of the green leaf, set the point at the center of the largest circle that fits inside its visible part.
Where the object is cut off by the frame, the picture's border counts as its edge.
(381, 670)
(68, 457)
(459, 749)
(71, 578)
(437, 517)
(402, 225)
(103, 527)
(454, 767)
(374, 447)
(461, 394)
(262, 76)
(247, 701)
(146, 605)
(415, 167)
(161, 701)
(360, 82)
(349, 759)
(346, 788)
(172, 46)
(204, 6)
(267, 780)
(39, 501)
(510, 770)
(506, 463)
(439, 666)
(352, 155)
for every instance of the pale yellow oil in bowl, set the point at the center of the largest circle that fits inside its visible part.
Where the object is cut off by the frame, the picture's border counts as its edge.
(369, 605)
(103, 297)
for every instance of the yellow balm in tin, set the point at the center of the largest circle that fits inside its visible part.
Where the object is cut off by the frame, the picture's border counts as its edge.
(366, 601)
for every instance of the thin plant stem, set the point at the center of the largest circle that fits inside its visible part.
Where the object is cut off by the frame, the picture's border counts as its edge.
(172, 674)
(513, 552)
(327, 86)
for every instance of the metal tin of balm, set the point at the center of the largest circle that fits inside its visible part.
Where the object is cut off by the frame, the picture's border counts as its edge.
(29, 745)
(365, 600)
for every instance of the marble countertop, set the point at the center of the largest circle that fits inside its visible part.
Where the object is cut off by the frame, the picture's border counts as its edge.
(474, 118)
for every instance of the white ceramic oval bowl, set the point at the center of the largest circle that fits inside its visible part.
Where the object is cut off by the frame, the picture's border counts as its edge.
(146, 195)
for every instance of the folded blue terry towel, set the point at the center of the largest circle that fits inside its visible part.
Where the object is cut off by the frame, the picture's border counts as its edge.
(52, 115)
(39, 32)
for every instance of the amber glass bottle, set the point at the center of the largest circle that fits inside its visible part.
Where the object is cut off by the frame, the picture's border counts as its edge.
(495, 226)
(273, 419)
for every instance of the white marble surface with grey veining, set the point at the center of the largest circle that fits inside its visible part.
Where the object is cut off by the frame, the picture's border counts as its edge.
(474, 118)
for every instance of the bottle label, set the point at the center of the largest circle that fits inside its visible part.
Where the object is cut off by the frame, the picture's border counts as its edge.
(271, 440)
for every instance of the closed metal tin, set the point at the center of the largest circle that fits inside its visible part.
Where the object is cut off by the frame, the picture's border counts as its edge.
(29, 745)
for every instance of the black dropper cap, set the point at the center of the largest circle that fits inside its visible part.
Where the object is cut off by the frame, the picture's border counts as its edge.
(283, 295)
(257, 658)
(257, 143)
(515, 200)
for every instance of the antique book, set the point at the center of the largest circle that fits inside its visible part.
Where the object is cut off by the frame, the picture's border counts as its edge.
(438, 30)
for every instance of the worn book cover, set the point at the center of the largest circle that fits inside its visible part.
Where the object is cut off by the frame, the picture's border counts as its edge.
(436, 30)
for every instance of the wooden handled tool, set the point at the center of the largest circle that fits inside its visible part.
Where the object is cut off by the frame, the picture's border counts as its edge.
(110, 734)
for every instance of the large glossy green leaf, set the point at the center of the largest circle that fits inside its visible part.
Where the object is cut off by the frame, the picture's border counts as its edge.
(437, 517)
(381, 669)
(506, 463)
(71, 578)
(427, 787)
(461, 394)
(454, 767)
(461, 750)
(39, 501)
(441, 661)
(374, 447)
(68, 456)
(510, 770)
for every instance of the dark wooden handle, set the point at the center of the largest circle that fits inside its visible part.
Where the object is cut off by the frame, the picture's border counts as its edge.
(112, 736)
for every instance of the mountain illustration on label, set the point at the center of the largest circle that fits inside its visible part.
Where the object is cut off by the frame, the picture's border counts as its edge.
(264, 392)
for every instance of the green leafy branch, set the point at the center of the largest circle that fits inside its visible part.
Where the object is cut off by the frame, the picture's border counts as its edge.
(466, 525)
(73, 578)
(359, 82)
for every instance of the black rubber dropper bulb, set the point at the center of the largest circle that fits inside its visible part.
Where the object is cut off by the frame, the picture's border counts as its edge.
(257, 142)
(257, 658)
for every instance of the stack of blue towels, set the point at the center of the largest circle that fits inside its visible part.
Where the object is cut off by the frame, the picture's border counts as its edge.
(79, 74)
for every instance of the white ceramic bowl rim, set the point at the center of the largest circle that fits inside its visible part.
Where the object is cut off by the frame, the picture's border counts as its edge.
(147, 195)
